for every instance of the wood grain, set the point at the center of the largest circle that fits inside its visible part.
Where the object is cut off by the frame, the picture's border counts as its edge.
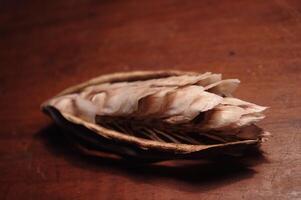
(48, 46)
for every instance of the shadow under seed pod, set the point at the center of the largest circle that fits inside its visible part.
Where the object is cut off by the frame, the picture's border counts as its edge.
(210, 174)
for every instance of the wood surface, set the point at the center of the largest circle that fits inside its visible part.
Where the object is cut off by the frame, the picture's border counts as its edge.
(46, 46)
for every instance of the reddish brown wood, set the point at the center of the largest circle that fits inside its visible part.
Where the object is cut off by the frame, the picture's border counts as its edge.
(46, 46)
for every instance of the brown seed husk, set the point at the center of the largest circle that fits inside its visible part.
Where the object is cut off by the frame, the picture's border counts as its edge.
(143, 131)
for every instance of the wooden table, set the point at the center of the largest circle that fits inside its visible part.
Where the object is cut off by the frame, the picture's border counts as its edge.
(46, 46)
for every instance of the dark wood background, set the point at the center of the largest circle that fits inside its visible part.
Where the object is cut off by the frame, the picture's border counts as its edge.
(46, 46)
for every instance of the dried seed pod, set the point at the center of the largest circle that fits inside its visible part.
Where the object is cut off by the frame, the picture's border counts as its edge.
(158, 115)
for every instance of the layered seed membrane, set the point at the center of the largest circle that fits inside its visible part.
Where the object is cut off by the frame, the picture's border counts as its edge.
(189, 109)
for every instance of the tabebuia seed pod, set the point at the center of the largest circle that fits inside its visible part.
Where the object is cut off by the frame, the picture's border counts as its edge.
(158, 114)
